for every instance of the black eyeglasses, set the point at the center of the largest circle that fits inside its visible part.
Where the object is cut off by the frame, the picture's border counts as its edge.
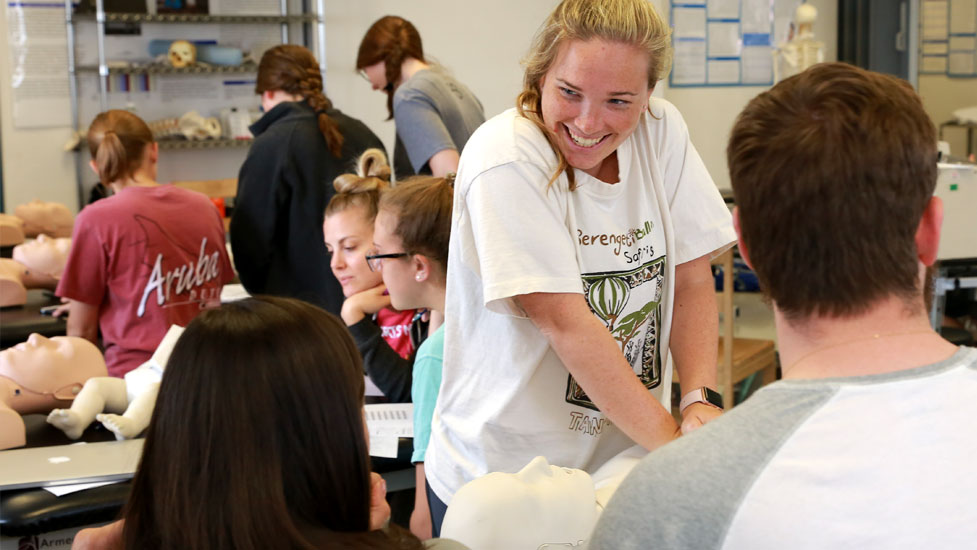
(374, 260)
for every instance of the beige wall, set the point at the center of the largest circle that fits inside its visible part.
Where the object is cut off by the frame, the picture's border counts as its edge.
(941, 96)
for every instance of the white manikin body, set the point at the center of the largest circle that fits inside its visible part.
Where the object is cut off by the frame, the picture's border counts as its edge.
(537, 506)
(129, 402)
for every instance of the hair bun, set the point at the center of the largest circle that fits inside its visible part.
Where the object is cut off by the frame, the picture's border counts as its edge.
(373, 163)
(351, 184)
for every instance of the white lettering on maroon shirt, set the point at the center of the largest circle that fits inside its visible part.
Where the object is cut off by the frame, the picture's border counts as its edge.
(186, 277)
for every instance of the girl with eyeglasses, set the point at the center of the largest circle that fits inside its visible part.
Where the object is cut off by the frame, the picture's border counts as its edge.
(411, 248)
(387, 338)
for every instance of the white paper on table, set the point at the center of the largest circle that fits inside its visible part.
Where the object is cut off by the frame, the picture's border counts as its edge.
(690, 62)
(724, 39)
(390, 419)
(383, 446)
(62, 490)
(233, 293)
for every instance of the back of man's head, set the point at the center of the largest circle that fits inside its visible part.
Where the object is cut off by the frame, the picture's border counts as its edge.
(831, 171)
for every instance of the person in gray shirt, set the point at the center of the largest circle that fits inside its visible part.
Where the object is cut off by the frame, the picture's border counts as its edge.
(864, 443)
(434, 113)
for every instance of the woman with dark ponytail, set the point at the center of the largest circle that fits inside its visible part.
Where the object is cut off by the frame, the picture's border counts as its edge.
(434, 113)
(301, 144)
(147, 257)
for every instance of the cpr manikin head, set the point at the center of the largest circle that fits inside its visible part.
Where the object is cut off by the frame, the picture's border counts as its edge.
(538, 505)
(44, 255)
(41, 374)
(11, 230)
(50, 218)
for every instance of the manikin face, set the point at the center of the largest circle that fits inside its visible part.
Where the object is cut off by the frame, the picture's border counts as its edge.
(399, 274)
(592, 98)
(540, 504)
(58, 365)
(44, 255)
(376, 74)
(349, 237)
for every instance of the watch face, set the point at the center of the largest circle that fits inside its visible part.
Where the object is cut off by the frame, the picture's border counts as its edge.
(713, 397)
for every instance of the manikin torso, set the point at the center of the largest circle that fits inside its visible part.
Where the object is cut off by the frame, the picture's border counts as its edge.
(51, 218)
(11, 230)
(41, 374)
(540, 506)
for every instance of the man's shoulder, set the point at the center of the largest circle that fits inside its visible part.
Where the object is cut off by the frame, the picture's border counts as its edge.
(685, 494)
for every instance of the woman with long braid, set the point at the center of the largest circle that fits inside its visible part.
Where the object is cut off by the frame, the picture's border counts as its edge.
(301, 144)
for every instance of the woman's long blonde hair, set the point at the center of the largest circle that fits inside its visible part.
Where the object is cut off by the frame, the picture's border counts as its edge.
(633, 22)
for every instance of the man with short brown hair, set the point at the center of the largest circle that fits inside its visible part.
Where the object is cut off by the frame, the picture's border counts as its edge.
(867, 442)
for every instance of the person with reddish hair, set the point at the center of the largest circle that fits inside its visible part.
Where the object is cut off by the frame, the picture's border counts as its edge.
(435, 114)
(301, 144)
(864, 443)
(147, 257)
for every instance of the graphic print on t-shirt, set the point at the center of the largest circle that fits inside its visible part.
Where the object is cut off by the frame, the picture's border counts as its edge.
(619, 299)
(184, 281)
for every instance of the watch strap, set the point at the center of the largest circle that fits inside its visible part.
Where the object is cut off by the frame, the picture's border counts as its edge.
(705, 395)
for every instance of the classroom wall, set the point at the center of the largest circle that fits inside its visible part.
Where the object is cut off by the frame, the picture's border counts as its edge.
(711, 112)
(481, 46)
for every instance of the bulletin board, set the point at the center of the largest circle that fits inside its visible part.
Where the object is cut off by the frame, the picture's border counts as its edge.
(727, 42)
(949, 38)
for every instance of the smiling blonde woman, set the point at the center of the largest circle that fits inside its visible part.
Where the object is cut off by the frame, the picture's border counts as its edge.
(583, 227)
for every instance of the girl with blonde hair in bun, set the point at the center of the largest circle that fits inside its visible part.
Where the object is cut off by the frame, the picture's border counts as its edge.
(387, 338)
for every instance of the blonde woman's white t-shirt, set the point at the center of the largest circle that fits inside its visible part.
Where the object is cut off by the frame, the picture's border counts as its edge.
(505, 396)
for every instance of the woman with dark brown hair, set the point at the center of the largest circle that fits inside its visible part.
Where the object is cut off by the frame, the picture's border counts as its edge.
(258, 441)
(301, 144)
(434, 113)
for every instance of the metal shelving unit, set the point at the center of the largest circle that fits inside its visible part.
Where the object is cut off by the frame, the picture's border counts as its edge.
(101, 17)
(166, 69)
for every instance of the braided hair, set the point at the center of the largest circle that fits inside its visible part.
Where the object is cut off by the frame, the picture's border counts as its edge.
(294, 70)
(393, 40)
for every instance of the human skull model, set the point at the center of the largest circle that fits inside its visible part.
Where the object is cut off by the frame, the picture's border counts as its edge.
(182, 54)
